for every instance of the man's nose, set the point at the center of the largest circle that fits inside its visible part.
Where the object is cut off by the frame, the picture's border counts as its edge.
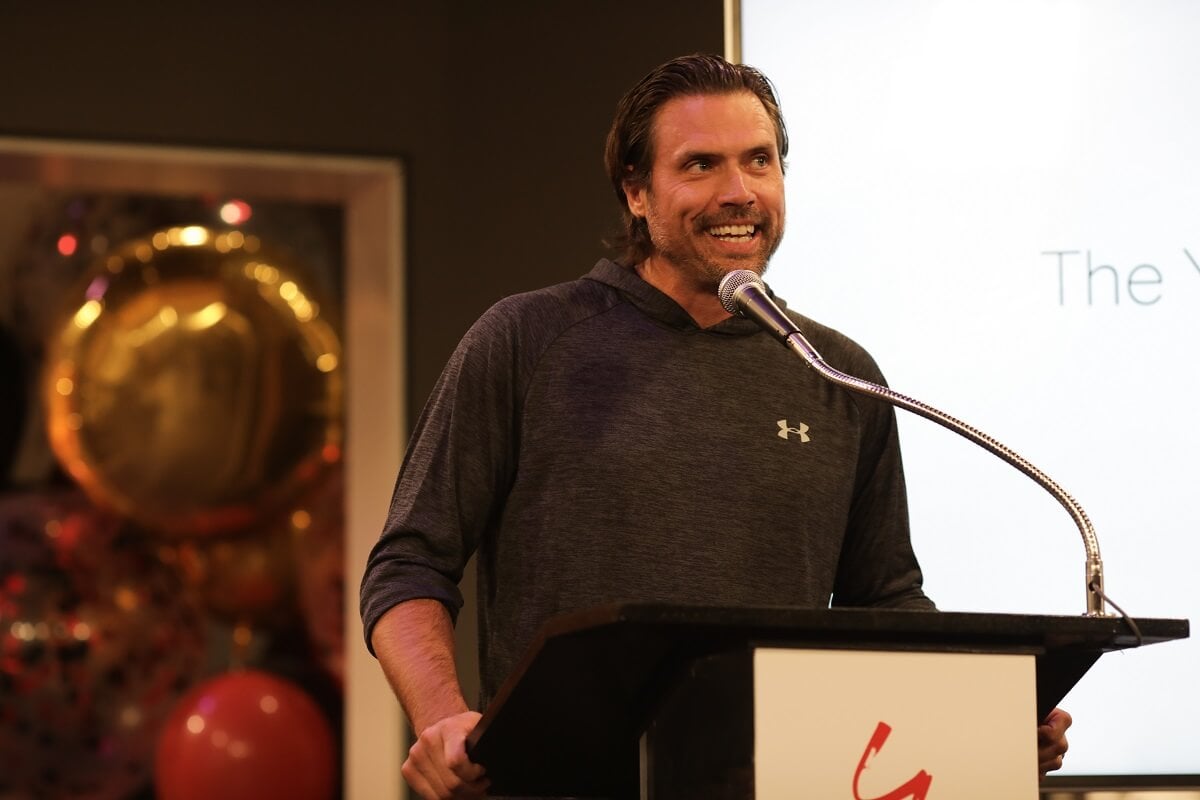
(736, 189)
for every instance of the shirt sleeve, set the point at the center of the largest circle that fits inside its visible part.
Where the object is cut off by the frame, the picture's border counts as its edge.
(455, 475)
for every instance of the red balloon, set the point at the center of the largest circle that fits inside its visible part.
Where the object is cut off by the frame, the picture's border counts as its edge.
(246, 735)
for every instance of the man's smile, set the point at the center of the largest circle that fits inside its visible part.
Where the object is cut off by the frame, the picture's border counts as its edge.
(733, 233)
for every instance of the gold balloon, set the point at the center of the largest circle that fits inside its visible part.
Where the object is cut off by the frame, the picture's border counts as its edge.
(195, 384)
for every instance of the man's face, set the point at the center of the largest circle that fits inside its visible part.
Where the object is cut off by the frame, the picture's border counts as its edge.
(714, 200)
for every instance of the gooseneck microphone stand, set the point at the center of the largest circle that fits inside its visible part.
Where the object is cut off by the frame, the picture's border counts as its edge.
(743, 292)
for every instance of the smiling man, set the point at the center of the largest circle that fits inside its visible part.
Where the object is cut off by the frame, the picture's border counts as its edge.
(713, 199)
(610, 439)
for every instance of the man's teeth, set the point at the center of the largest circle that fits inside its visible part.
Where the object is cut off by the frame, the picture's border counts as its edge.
(731, 230)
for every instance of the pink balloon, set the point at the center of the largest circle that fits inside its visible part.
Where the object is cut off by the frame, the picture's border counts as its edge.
(246, 735)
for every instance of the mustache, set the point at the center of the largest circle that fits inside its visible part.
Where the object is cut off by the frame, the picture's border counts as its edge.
(734, 215)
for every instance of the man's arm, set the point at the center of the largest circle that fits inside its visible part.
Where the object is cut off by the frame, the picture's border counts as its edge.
(414, 642)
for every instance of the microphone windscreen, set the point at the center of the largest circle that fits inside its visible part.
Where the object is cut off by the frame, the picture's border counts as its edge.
(731, 283)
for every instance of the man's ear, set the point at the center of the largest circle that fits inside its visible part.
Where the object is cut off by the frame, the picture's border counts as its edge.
(635, 198)
(635, 193)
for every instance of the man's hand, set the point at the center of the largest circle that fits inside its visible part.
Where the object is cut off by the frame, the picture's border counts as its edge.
(437, 767)
(1052, 740)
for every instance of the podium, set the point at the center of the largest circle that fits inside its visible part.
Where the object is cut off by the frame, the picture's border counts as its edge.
(666, 702)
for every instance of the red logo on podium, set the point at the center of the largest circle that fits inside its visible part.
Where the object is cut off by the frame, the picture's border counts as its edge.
(915, 788)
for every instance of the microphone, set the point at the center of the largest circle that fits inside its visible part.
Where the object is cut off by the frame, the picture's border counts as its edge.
(743, 292)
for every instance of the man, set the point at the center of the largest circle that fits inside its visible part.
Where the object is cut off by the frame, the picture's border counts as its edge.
(608, 439)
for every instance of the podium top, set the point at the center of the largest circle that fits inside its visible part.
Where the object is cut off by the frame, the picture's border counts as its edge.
(575, 705)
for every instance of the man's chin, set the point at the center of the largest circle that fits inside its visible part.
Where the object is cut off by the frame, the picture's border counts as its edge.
(719, 270)
(710, 268)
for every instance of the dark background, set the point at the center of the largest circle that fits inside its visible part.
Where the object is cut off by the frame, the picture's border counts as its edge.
(497, 110)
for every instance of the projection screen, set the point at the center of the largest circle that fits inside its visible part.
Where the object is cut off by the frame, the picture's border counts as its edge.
(1001, 201)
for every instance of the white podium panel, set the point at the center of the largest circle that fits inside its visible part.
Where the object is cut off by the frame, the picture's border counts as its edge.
(869, 725)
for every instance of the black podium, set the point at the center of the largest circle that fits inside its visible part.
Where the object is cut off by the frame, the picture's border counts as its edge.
(649, 700)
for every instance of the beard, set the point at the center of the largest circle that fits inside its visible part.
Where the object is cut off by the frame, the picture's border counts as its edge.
(692, 252)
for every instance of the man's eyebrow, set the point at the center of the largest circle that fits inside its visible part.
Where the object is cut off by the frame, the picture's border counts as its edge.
(707, 155)
(697, 155)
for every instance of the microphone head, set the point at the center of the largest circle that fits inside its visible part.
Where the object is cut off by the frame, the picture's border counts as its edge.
(731, 283)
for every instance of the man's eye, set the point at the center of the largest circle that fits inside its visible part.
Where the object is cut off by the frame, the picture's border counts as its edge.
(699, 165)
(761, 161)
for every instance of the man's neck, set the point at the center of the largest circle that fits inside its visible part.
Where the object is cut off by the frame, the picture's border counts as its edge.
(699, 301)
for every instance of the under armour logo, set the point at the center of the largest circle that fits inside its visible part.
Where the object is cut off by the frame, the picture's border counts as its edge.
(802, 431)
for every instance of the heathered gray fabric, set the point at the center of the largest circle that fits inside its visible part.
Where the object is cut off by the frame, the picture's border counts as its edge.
(596, 446)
